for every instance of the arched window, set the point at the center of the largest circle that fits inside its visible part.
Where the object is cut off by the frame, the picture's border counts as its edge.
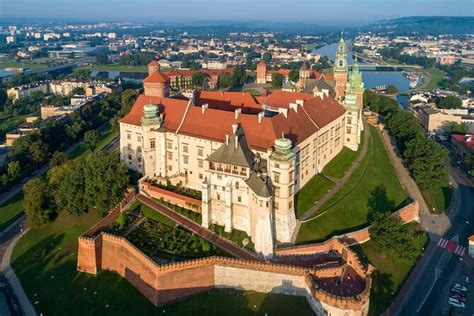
(340, 63)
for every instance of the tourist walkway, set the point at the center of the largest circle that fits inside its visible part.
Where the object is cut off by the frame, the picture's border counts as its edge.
(339, 182)
(403, 175)
(192, 226)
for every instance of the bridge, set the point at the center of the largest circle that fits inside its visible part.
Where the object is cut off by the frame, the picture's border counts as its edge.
(368, 62)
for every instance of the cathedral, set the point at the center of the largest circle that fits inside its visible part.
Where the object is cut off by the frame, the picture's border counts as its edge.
(248, 155)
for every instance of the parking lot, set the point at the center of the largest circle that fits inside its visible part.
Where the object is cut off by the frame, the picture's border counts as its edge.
(459, 294)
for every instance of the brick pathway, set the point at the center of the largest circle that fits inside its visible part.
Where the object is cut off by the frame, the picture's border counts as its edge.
(208, 235)
(340, 182)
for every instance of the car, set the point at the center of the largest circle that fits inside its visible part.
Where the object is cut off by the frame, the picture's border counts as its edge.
(453, 290)
(458, 297)
(456, 304)
(459, 287)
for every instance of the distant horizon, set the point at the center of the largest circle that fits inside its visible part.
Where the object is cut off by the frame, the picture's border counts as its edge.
(336, 12)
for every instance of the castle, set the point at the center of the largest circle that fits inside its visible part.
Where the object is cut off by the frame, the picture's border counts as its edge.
(248, 155)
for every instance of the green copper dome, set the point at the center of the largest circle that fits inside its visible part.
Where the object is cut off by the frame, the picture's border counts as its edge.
(282, 148)
(151, 115)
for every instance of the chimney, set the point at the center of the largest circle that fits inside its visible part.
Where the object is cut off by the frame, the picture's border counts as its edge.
(234, 128)
(260, 117)
(325, 92)
(227, 140)
(204, 108)
(236, 141)
(319, 94)
(237, 113)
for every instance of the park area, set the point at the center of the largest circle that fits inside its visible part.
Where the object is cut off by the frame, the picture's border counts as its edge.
(373, 187)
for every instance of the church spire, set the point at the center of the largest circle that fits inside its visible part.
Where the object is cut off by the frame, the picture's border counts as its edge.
(341, 56)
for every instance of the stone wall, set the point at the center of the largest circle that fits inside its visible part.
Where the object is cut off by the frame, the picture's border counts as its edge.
(172, 197)
(162, 284)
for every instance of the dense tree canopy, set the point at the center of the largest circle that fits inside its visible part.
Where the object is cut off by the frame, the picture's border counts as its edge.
(37, 202)
(449, 102)
(277, 80)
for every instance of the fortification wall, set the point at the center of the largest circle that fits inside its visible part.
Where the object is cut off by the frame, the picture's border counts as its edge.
(167, 283)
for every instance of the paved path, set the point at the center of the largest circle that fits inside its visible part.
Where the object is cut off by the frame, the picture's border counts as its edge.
(339, 183)
(403, 175)
(208, 235)
(8, 239)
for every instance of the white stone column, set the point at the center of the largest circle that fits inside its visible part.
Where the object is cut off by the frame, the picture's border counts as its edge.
(205, 208)
(228, 207)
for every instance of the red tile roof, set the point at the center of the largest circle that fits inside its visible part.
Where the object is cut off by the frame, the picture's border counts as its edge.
(156, 77)
(153, 63)
(229, 101)
(282, 99)
(215, 123)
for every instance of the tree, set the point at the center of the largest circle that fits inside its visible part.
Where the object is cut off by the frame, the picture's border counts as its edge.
(127, 100)
(82, 74)
(37, 202)
(198, 79)
(450, 102)
(102, 59)
(277, 80)
(294, 75)
(238, 76)
(225, 80)
(457, 128)
(267, 57)
(389, 234)
(58, 158)
(426, 161)
(91, 138)
(13, 169)
(39, 151)
(391, 89)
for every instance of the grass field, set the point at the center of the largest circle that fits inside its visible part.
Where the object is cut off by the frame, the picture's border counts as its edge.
(120, 68)
(315, 189)
(45, 262)
(12, 210)
(373, 187)
(438, 198)
(436, 75)
(391, 271)
(7, 64)
(338, 167)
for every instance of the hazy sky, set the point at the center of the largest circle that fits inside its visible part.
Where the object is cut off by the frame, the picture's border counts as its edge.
(234, 10)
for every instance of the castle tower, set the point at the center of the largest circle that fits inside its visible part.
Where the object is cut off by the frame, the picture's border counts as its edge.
(340, 69)
(282, 162)
(151, 121)
(304, 74)
(353, 104)
(157, 84)
(262, 72)
(153, 66)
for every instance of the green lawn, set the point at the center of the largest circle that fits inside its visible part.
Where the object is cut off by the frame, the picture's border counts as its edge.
(7, 64)
(391, 271)
(12, 210)
(45, 261)
(373, 187)
(106, 134)
(121, 68)
(438, 199)
(436, 76)
(315, 189)
(151, 213)
(338, 166)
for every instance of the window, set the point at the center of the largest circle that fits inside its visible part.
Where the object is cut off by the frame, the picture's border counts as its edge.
(277, 191)
(239, 199)
(291, 190)
(139, 149)
(152, 143)
(129, 146)
(291, 176)
(218, 196)
(349, 120)
(237, 185)
(139, 138)
(200, 176)
(170, 168)
(129, 157)
(185, 160)
(185, 148)
(200, 163)
(129, 136)
(348, 130)
(276, 205)
(139, 159)
(290, 204)
(276, 177)
(277, 165)
(169, 155)
(200, 151)
(169, 145)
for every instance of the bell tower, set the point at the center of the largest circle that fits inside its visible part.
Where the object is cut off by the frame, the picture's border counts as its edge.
(340, 69)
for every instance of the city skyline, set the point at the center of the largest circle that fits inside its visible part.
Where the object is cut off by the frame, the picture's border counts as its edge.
(335, 12)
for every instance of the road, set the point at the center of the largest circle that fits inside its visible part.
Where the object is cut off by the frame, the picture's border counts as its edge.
(429, 293)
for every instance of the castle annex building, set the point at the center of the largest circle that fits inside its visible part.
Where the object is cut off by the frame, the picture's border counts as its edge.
(248, 155)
